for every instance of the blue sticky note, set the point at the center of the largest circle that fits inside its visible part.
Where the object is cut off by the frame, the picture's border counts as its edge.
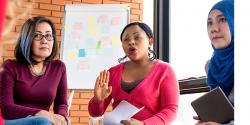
(82, 53)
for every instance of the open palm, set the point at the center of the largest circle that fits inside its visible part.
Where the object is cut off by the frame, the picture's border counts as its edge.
(102, 90)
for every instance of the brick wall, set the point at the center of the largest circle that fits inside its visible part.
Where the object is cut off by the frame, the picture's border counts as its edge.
(54, 9)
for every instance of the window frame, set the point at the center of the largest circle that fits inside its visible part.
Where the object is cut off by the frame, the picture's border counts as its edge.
(162, 47)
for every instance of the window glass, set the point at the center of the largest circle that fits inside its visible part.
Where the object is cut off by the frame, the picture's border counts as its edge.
(190, 46)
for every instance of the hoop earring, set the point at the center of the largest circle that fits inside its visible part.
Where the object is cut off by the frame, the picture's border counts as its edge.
(151, 54)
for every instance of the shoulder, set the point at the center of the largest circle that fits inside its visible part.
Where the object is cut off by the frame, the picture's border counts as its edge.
(116, 68)
(57, 63)
(12, 67)
(11, 63)
(162, 65)
(163, 68)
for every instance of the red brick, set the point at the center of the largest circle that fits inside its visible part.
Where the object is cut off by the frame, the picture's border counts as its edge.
(74, 107)
(141, 6)
(9, 47)
(84, 107)
(141, 18)
(93, 1)
(8, 53)
(78, 124)
(61, 2)
(50, 7)
(62, 8)
(20, 22)
(58, 26)
(34, 5)
(129, 4)
(58, 32)
(62, 19)
(80, 101)
(134, 21)
(79, 113)
(125, 0)
(41, 12)
(18, 28)
(109, 108)
(55, 19)
(59, 38)
(76, 95)
(137, 1)
(76, 2)
(135, 6)
(86, 95)
(135, 11)
(1, 59)
(110, 2)
(134, 17)
(74, 119)
(57, 14)
(84, 119)
(41, 1)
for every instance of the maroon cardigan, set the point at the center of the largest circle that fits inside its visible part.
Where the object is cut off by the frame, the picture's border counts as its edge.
(23, 94)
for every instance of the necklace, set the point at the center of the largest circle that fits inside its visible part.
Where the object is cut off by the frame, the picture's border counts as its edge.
(36, 72)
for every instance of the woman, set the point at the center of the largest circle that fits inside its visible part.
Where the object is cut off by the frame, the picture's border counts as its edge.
(2, 15)
(141, 81)
(220, 28)
(32, 82)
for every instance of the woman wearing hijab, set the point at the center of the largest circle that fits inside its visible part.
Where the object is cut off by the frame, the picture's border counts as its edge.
(220, 28)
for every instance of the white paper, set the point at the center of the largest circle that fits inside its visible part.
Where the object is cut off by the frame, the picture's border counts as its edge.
(123, 111)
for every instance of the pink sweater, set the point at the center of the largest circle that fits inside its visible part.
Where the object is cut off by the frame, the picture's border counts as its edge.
(158, 92)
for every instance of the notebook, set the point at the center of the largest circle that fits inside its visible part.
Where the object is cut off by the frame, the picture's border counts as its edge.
(214, 106)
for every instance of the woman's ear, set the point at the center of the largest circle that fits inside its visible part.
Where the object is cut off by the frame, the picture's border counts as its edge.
(151, 41)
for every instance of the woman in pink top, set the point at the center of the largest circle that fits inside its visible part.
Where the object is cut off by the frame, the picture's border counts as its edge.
(142, 81)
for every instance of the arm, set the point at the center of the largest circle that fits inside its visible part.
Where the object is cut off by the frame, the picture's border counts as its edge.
(169, 96)
(60, 102)
(97, 108)
(102, 95)
(10, 110)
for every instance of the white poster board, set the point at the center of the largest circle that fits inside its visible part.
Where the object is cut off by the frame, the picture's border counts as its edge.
(91, 41)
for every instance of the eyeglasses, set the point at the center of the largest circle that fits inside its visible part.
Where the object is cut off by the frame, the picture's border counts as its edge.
(39, 37)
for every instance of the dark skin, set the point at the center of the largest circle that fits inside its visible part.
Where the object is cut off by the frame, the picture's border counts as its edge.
(135, 43)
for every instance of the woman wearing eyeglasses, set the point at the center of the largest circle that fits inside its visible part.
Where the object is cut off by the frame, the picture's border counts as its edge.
(33, 81)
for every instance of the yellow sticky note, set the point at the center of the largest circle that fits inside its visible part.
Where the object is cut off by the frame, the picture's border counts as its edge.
(66, 26)
(116, 41)
(91, 21)
(71, 55)
(92, 31)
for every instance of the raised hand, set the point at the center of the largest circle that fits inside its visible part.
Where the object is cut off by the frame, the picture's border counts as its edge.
(102, 90)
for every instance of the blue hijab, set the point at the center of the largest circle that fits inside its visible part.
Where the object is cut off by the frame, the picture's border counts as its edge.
(221, 66)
